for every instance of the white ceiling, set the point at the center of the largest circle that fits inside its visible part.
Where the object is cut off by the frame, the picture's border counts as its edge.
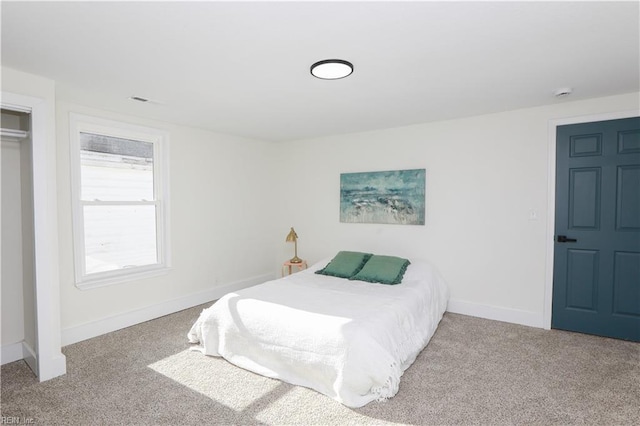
(242, 68)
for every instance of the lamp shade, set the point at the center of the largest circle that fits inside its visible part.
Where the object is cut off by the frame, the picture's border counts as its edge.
(291, 236)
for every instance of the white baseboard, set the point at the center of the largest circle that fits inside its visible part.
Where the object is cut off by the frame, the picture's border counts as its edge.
(54, 367)
(11, 353)
(515, 316)
(82, 332)
(29, 356)
(18, 351)
(96, 328)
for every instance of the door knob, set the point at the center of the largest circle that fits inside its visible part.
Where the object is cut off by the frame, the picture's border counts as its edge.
(564, 239)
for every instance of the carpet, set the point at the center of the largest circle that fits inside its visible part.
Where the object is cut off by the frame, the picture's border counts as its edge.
(473, 372)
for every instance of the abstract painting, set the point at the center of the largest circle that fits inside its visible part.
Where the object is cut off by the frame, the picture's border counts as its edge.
(396, 197)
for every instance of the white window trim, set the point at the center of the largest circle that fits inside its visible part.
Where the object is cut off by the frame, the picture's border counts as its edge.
(160, 139)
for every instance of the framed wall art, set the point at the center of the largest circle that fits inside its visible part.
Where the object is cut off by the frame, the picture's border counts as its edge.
(394, 197)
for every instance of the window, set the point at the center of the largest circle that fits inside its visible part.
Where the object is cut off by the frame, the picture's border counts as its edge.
(120, 205)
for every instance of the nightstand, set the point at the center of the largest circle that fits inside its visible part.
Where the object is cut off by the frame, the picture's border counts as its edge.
(290, 266)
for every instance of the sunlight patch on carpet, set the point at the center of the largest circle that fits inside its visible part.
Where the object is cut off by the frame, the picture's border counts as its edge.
(216, 378)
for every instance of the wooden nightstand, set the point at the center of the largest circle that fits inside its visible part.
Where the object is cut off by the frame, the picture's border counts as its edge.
(288, 265)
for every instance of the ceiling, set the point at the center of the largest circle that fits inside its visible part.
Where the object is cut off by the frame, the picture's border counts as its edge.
(242, 68)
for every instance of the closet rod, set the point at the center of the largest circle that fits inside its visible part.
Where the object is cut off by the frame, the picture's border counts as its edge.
(13, 133)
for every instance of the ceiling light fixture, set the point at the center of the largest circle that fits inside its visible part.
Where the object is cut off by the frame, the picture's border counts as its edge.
(331, 69)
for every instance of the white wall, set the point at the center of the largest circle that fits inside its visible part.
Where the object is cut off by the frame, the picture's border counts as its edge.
(233, 201)
(18, 285)
(12, 295)
(221, 214)
(485, 175)
(28, 242)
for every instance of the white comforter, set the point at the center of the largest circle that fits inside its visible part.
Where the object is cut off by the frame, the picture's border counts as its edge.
(350, 340)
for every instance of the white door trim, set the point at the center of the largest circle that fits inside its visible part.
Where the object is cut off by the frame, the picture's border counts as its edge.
(50, 360)
(551, 199)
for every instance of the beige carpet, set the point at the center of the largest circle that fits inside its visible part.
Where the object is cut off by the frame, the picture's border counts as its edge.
(473, 371)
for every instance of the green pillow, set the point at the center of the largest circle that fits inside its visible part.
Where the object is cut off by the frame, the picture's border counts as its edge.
(383, 269)
(345, 264)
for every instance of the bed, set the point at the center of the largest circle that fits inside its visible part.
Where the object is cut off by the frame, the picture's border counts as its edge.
(350, 340)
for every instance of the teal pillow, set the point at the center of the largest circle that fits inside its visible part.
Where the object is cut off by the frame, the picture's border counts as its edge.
(383, 270)
(345, 264)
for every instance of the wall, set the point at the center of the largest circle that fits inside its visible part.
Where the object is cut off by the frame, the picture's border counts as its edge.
(221, 217)
(28, 243)
(12, 296)
(18, 285)
(233, 201)
(486, 177)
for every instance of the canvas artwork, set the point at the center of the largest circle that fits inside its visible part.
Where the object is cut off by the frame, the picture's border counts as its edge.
(395, 197)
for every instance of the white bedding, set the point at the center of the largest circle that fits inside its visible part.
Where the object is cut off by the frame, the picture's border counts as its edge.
(350, 340)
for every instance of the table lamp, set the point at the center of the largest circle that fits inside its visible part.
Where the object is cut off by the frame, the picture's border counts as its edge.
(293, 237)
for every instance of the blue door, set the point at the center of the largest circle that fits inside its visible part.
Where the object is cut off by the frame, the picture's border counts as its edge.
(596, 281)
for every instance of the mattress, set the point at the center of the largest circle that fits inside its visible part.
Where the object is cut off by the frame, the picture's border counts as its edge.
(349, 340)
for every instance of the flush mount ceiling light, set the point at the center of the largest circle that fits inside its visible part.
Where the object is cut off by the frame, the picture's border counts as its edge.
(331, 69)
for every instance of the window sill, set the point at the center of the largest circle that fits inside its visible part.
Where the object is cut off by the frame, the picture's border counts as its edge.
(119, 278)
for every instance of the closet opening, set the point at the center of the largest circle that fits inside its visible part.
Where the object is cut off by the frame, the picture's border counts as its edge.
(18, 322)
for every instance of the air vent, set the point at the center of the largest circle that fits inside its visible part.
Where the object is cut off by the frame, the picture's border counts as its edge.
(563, 93)
(139, 99)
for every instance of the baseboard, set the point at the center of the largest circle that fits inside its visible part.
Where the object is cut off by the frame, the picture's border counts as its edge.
(29, 356)
(82, 332)
(54, 367)
(96, 328)
(16, 352)
(515, 316)
(11, 353)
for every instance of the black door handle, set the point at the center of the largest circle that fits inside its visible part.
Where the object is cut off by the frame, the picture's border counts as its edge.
(564, 239)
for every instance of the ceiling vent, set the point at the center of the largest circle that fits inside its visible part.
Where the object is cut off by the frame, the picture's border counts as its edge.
(139, 99)
(563, 93)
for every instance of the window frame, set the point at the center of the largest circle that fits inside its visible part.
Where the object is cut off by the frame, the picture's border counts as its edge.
(160, 140)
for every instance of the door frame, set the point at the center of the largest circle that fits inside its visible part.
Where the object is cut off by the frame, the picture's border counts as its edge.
(50, 361)
(551, 198)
